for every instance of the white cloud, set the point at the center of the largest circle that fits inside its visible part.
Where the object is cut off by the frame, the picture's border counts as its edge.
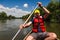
(25, 5)
(13, 11)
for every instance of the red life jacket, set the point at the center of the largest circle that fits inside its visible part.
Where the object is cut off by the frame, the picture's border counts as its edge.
(39, 21)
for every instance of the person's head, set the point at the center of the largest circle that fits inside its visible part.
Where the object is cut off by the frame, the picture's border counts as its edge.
(37, 13)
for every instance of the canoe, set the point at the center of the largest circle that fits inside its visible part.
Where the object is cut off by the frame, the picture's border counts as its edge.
(37, 38)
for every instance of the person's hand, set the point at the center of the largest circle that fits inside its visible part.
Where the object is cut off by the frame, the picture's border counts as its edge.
(21, 26)
(39, 4)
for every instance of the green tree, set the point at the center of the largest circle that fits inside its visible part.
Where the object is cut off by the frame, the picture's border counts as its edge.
(3, 15)
(53, 7)
(11, 17)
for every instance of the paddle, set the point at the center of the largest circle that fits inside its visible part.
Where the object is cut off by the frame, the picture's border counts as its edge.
(27, 35)
(24, 23)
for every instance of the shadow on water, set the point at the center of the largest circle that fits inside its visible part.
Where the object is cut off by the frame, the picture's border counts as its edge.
(54, 27)
(3, 21)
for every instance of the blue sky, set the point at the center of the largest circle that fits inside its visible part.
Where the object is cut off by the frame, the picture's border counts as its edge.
(19, 4)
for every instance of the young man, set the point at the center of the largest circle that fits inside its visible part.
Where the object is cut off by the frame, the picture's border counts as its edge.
(39, 30)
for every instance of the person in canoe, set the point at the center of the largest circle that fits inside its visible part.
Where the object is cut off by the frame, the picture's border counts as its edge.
(39, 30)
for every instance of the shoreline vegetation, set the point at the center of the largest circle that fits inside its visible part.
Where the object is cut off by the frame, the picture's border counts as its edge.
(54, 15)
(54, 9)
(4, 16)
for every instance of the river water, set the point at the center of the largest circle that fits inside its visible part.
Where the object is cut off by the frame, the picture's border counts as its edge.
(8, 29)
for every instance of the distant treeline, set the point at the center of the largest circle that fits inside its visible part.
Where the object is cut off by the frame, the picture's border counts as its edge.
(4, 16)
(54, 8)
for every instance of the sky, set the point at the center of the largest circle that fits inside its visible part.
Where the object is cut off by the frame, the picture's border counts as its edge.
(19, 8)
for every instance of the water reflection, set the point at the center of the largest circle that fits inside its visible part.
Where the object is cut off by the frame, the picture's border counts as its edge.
(8, 29)
(3, 21)
(9, 24)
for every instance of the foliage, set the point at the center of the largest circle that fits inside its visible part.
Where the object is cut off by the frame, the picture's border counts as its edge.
(11, 17)
(4, 16)
(25, 16)
(54, 9)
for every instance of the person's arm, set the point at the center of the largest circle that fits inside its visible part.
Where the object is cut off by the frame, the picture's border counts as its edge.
(25, 25)
(44, 9)
(28, 24)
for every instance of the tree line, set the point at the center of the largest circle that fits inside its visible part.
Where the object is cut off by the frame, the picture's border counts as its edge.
(4, 16)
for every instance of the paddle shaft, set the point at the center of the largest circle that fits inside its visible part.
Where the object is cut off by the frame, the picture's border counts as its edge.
(24, 23)
(27, 35)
